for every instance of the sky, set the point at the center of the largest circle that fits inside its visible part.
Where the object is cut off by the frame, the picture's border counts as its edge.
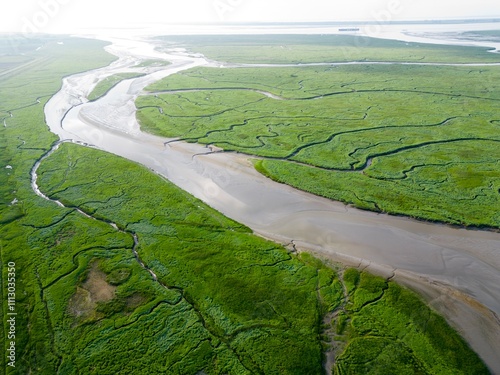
(53, 16)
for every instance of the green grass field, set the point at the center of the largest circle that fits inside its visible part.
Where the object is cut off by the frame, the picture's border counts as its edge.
(108, 83)
(415, 340)
(25, 219)
(252, 307)
(224, 301)
(152, 64)
(420, 141)
(323, 48)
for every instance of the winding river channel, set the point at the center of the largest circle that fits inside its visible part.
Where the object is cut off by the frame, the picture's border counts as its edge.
(456, 270)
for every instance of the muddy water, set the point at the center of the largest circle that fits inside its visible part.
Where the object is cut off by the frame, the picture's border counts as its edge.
(461, 265)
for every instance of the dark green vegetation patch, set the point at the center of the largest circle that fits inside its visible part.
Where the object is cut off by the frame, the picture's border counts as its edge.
(421, 141)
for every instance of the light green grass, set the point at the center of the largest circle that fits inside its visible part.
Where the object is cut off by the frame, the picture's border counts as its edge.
(415, 340)
(153, 64)
(324, 48)
(250, 295)
(420, 141)
(233, 303)
(27, 234)
(108, 83)
(257, 292)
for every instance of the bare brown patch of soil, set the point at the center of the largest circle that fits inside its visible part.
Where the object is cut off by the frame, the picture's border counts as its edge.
(81, 305)
(100, 290)
(135, 300)
(95, 289)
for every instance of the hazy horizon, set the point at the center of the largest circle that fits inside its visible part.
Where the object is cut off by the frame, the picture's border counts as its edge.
(69, 16)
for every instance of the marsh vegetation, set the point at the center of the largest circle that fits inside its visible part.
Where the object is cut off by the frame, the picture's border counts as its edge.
(108, 83)
(131, 274)
(420, 141)
(303, 49)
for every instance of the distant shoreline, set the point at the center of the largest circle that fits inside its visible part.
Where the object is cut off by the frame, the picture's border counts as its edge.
(356, 23)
